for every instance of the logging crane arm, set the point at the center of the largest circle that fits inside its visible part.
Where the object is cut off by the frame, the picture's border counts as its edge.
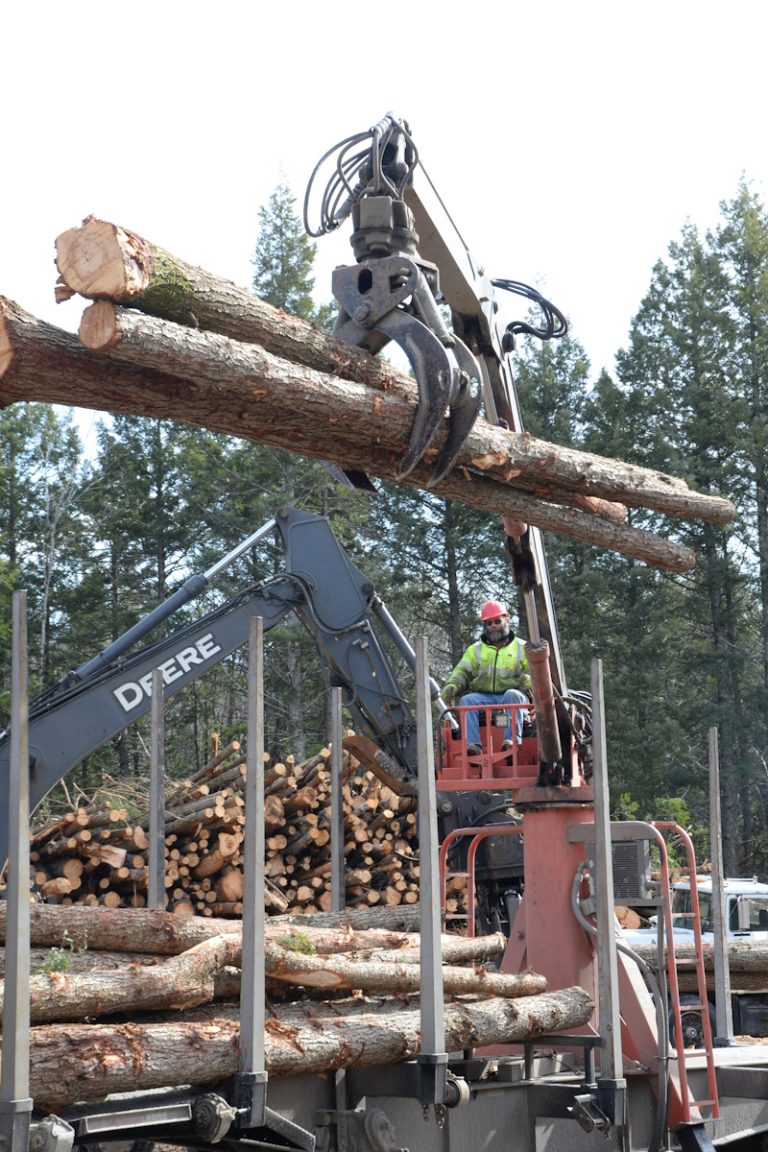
(413, 270)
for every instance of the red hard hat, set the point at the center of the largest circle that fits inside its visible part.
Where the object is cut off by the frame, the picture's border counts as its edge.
(491, 609)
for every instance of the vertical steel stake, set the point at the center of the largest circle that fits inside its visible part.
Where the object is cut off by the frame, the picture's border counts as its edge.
(611, 1085)
(338, 888)
(156, 894)
(15, 1104)
(723, 1006)
(433, 1057)
(251, 1080)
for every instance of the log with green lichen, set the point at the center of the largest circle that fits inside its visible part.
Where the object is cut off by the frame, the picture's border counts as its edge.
(103, 261)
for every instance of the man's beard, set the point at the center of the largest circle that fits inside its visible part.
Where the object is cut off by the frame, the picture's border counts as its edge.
(494, 635)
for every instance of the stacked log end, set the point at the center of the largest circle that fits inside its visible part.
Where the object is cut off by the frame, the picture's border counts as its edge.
(97, 854)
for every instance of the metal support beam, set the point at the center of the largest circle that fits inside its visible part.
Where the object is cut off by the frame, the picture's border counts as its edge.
(251, 1081)
(611, 1085)
(156, 893)
(338, 889)
(723, 1006)
(433, 1057)
(15, 1104)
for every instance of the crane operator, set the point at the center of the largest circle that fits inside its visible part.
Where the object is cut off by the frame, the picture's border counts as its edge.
(493, 670)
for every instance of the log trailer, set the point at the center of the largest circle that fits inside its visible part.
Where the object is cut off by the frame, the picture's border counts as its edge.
(615, 1082)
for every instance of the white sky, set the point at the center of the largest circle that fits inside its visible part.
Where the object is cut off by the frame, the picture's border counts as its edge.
(570, 141)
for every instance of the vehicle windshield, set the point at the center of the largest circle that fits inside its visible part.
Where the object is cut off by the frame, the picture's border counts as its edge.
(756, 913)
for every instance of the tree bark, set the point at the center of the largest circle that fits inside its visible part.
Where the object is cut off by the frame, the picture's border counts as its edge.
(179, 982)
(42, 961)
(86, 1062)
(508, 457)
(374, 976)
(39, 362)
(159, 933)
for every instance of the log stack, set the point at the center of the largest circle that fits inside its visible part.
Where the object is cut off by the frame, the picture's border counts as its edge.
(338, 996)
(96, 853)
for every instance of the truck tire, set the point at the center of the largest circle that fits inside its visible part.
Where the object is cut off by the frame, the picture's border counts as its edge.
(692, 1025)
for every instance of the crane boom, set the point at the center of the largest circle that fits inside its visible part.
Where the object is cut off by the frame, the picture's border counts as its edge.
(473, 301)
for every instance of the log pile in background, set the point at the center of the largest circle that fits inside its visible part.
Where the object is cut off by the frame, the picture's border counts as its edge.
(747, 964)
(97, 854)
(182, 1001)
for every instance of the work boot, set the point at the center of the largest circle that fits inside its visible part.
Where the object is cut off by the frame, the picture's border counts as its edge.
(507, 746)
(473, 749)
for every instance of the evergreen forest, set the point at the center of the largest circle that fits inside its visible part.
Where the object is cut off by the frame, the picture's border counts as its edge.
(99, 539)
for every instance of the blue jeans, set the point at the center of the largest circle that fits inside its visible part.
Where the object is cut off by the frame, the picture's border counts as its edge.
(511, 696)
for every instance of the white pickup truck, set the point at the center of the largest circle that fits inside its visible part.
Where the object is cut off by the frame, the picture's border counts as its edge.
(746, 919)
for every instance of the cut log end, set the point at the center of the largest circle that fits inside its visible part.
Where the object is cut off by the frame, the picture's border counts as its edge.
(101, 259)
(99, 329)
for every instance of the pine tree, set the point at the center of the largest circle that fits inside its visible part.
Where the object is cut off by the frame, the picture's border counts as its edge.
(284, 257)
(740, 244)
(42, 547)
(677, 381)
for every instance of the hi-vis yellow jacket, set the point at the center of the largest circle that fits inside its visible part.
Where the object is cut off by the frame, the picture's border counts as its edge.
(484, 668)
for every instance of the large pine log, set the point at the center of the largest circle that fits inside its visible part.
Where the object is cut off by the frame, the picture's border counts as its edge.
(105, 262)
(508, 457)
(743, 955)
(179, 982)
(145, 930)
(70, 1062)
(100, 260)
(40, 362)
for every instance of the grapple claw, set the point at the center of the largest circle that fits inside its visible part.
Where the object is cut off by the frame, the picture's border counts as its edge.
(372, 295)
(463, 411)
